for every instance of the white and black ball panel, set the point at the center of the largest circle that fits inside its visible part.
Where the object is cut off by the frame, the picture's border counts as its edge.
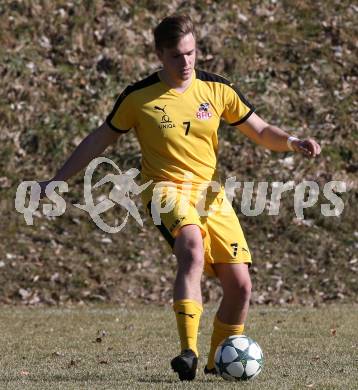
(240, 342)
(235, 369)
(229, 354)
(252, 366)
(238, 358)
(255, 351)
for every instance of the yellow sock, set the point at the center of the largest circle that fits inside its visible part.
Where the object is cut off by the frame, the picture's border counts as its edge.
(221, 332)
(188, 315)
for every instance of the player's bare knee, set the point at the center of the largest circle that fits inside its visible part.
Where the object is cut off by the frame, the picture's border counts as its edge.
(244, 290)
(189, 250)
(191, 260)
(239, 289)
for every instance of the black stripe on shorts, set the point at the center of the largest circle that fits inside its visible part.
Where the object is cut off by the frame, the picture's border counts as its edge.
(165, 232)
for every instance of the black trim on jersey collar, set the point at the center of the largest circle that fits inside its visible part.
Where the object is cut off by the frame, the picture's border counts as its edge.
(206, 76)
(147, 82)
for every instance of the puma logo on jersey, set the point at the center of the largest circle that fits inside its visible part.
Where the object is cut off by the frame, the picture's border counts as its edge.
(160, 109)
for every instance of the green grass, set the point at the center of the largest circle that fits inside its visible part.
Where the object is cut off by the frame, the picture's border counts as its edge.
(45, 348)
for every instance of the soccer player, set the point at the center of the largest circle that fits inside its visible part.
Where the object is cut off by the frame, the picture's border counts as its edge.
(175, 114)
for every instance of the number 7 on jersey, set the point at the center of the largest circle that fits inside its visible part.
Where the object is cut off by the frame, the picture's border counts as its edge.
(187, 124)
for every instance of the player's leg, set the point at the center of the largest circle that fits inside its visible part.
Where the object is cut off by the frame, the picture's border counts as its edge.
(229, 259)
(188, 249)
(182, 229)
(236, 284)
(232, 313)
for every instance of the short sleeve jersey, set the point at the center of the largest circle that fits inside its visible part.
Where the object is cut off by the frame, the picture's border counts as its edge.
(178, 132)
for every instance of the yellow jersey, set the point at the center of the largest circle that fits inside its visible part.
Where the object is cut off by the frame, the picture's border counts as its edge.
(178, 132)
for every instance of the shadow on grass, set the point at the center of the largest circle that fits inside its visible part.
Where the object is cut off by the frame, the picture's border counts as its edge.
(156, 379)
(58, 378)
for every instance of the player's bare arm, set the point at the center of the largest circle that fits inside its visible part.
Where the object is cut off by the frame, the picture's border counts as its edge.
(274, 138)
(90, 147)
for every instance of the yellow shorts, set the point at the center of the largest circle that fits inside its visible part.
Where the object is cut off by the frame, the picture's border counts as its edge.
(172, 206)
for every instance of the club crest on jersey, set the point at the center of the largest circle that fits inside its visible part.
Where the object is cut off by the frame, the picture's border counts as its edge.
(203, 112)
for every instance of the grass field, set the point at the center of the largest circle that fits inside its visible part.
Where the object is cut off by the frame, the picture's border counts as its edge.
(103, 347)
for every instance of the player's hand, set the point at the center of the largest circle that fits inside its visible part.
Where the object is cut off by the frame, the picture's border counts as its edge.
(308, 147)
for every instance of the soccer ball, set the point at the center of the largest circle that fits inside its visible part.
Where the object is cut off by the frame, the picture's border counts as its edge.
(238, 358)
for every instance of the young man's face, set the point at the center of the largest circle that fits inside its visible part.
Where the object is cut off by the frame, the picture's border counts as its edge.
(179, 61)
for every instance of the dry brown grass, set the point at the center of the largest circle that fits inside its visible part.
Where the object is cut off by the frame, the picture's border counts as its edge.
(62, 65)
